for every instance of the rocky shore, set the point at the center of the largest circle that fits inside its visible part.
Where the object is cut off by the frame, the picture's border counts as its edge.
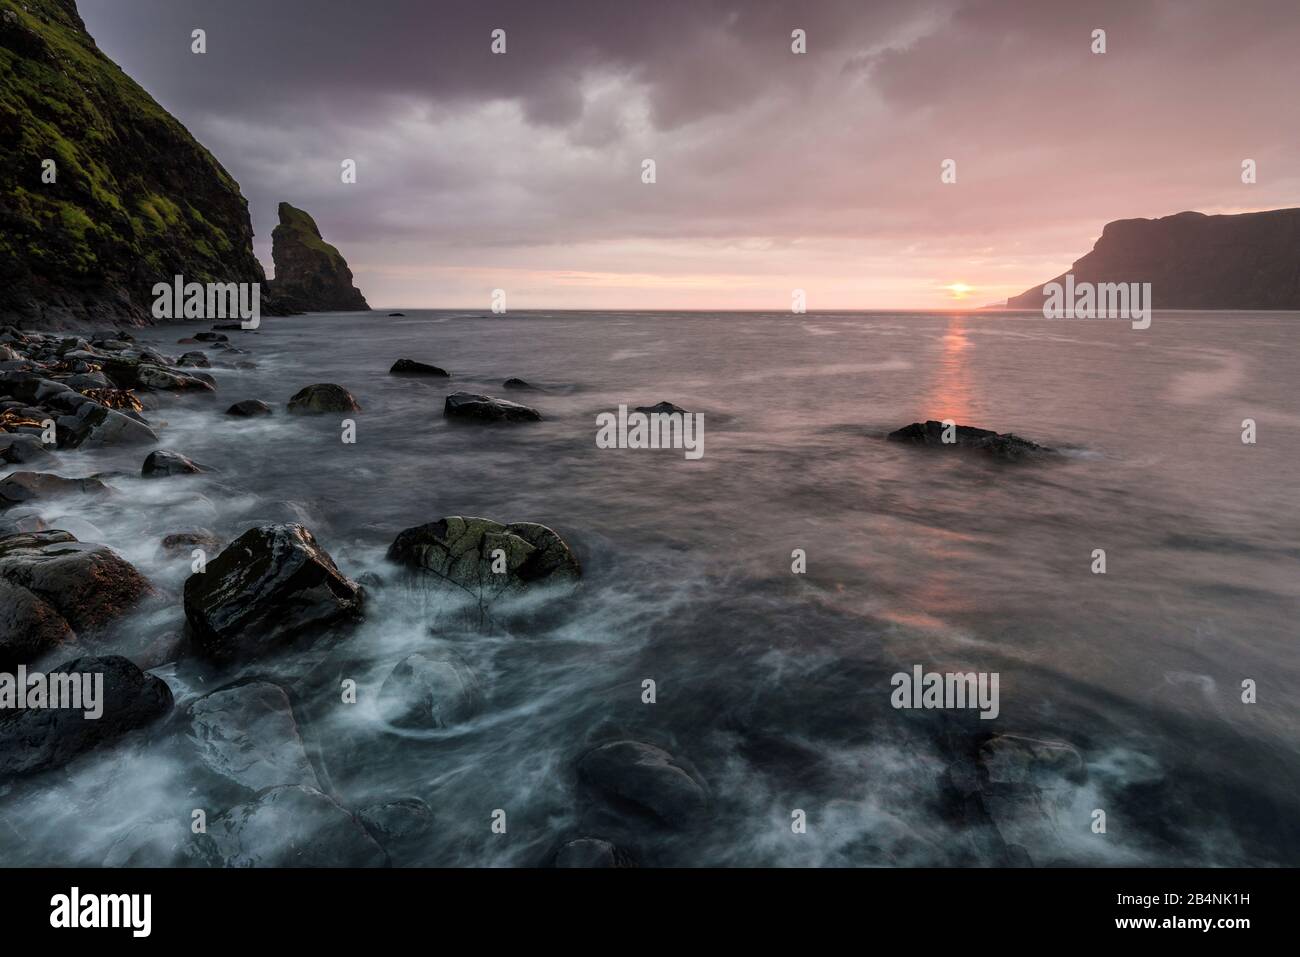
(239, 697)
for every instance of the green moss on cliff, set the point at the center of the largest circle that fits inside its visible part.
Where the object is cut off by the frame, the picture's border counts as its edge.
(135, 199)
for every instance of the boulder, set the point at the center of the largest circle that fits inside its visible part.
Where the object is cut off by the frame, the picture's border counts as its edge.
(185, 542)
(91, 586)
(96, 426)
(589, 852)
(1005, 445)
(29, 627)
(249, 408)
(486, 408)
(19, 449)
(403, 827)
(211, 337)
(662, 408)
(429, 691)
(270, 586)
(411, 367)
(39, 739)
(459, 550)
(323, 397)
(19, 487)
(293, 826)
(646, 779)
(513, 383)
(247, 735)
(162, 463)
(195, 359)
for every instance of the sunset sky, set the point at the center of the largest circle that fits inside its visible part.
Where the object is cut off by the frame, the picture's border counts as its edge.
(775, 171)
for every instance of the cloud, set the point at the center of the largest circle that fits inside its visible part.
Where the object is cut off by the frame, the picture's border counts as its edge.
(511, 161)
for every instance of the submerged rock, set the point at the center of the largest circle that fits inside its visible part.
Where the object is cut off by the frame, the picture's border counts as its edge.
(1003, 445)
(411, 367)
(323, 397)
(646, 778)
(590, 852)
(187, 541)
(662, 408)
(515, 383)
(162, 463)
(249, 408)
(97, 426)
(293, 826)
(18, 449)
(430, 691)
(268, 587)
(20, 487)
(459, 550)
(486, 408)
(89, 585)
(403, 828)
(247, 735)
(39, 739)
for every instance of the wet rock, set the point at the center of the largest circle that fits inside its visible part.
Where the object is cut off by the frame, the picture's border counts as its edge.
(90, 585)
(459, 550)
(165, 843)
(1016, 759)
(662, 408)
(271, 585)
(95, 426)
(1005, 445)
(1029, 788)
(130, 372)
(411, 367)
(293, 826)
(195, 359)
(17, 449)
(20, 487)
(644, 779)
(393, 314)
(430, 691)
(589, 852)
(513, 383)
(249, 408)
(323, 397)
(39, 739)
(404, 828)
(185, 542)
(162, 463)
(211, 337)
(486, 408)
(247, 735)
(30, 627)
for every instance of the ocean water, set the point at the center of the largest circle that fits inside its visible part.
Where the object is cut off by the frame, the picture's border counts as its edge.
(774, 686)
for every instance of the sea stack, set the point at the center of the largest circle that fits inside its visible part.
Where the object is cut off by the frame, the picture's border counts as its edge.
(310, 274)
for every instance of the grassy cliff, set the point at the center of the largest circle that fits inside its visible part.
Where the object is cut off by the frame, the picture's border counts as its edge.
(136, 198)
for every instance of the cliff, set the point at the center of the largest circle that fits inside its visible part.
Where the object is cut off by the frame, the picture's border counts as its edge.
(135, 200)
(310, 274)
(1195, 261)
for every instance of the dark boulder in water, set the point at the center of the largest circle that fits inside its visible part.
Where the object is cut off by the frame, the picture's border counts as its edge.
(91, 586)
(162, 463)
(18, 449)
(30, 627)
(20, 487)
(195, 359)
(247, 736)
(402, 827)
(663, 408)
(647, 779)
(486, 408)
(178, 542)
(459, 551)
(395, 314)
(591, 852)
(249, 408)
(293, 826)
(211, 337)
(520, 384)
(323, 397)
(429, 691)
(271, 585)
(411, 367)
(38, 739)
(1002, 445)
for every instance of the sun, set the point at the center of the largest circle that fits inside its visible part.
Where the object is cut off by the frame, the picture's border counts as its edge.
(959, 290)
